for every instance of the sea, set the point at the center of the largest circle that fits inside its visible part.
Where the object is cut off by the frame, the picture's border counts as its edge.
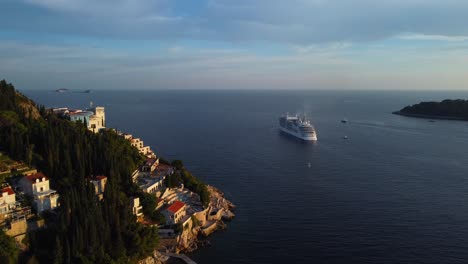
(394, 191)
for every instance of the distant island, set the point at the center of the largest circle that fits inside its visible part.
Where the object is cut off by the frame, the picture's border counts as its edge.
(447, 109)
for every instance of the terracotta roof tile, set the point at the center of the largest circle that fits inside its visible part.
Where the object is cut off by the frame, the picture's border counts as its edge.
(7, 190)
(34, 176)
(176, 206)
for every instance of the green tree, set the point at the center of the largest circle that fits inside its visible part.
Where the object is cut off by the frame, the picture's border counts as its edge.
(178, 164)
(8, 249)
(58, 252)
(83, 229)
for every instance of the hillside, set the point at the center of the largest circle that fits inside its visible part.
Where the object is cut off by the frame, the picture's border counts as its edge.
(83, 229)
(14, 100)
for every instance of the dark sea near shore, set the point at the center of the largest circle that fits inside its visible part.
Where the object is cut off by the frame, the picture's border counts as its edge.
(396, 191)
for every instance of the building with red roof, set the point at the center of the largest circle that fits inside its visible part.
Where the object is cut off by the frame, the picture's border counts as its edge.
(7, 191)
(7, 202)
(37, 185)
(99, 183)
(174, 212)
(36, 177)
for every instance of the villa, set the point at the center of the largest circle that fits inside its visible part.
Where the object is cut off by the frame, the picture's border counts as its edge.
(94, 117)
(136, 207)
(150, 165)
(7, 202)
(151, 176)
(149, 183)
(37, 186)
(174, 213)
(99, 183)
(139, 144)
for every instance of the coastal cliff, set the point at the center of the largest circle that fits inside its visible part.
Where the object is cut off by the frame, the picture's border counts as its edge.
(447, 109)
(202, 225)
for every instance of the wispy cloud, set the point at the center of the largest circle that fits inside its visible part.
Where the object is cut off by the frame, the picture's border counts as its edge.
(101, 8)
(294, 21)
(433, 37)
(225, 43)
(332, 47)
(333, 66)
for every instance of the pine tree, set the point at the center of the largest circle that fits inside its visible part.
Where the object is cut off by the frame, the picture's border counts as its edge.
(58, 258)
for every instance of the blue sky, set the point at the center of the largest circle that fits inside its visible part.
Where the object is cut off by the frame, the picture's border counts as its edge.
(234, 44)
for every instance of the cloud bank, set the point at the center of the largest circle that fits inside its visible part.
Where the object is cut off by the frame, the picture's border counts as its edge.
(232, 44)
(293, 21)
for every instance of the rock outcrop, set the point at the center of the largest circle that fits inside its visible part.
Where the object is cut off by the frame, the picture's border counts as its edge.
(208, 221)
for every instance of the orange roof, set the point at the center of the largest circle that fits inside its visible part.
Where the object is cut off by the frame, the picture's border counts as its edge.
(7, 190)
(34, 176)
(176, 206)
(100, 177)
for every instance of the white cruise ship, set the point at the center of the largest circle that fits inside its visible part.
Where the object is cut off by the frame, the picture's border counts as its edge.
(297, 126)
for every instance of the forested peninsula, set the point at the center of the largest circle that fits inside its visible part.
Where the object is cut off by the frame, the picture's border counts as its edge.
(447, 109)
(84, 227)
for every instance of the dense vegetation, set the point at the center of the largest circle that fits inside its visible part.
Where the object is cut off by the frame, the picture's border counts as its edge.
(8, 249)
(183, 176)
(84, 230)
(148, 202)
(447, 108)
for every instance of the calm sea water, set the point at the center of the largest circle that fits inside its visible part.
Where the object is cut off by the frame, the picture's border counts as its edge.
(395, 192)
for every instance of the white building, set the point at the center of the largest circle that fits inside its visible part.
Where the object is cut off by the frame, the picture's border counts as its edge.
(94, 117)
(99, 183)
(150, 165)
(138, 143)
(7, 202)
(98, 120)
(127, 136)
(37, 186)
(136, 207)
(174, 213)
(151, 184)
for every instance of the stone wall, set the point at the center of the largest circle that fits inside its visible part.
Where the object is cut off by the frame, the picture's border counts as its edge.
(210, 229)
(216, 216)
(17, 227)
(201, 216)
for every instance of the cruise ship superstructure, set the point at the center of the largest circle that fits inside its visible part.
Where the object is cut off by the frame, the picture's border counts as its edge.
(297, 126)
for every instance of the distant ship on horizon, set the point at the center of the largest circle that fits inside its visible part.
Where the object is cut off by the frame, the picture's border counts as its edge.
(61, 90)
(297, 126)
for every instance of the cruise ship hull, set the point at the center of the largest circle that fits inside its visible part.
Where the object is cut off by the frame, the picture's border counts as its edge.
(298, 135)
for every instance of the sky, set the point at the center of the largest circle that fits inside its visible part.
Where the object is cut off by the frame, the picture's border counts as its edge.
(235, 44)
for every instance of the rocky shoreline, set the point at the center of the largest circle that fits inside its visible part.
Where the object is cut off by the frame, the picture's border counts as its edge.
(429, 116)
(213, 218)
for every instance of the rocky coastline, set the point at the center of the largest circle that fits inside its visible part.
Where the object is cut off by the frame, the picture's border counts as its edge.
(213, 218)
(425, 116)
